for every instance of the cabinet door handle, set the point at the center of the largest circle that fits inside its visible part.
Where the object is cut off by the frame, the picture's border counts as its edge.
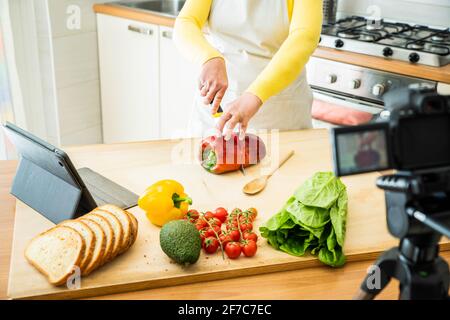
(142, 30)
(167, 34)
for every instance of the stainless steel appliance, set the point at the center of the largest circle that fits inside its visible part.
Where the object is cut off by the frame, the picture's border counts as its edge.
(358, 87)
(329, 11)
(388, 39)
(361, 88)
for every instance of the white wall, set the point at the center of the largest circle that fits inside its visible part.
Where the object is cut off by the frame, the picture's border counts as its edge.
(8, 77)
(47, 72)
(76, 70)
(426, 12)
(27, 103)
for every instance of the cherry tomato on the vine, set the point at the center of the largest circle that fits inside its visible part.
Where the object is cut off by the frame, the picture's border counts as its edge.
(200, 224)
(221, 214)
(246, 226)
(235, 235)
(225, 238)
(208, 215)
(215, 222)
(249, 248)
(192, 215)
(211, 244)
(252, 213)
(233, 250)
(249, 235)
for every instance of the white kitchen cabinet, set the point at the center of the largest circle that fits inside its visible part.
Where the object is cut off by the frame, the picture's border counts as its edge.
(129, 75)
(178, 81)
(147, 87)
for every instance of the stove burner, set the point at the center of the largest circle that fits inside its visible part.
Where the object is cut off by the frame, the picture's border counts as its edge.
(368, 37)
(348, 35)
(437, 38)
(439, 49)
(441, 38)
(415, 45)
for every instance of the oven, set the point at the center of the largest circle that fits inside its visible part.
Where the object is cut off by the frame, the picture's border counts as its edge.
(346, 94)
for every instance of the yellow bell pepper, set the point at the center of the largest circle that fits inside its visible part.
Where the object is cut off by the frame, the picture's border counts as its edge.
(164, 201)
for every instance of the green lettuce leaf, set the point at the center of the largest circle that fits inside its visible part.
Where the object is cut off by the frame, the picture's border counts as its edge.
(313, 220)
(312, 217)
(297, 246)
(278, 220)
(334, 258)
(322, 190)
(338, 214)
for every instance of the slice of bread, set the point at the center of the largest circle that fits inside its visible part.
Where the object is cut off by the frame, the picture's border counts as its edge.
(135, 225)
(56, 252)
(126, 223)
(109, 234)
(99, 246)
(117, 229)
(88, 237)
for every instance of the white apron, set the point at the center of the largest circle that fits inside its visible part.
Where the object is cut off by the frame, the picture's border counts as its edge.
(248, 33)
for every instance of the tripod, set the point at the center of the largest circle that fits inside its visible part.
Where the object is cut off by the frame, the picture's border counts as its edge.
(415, 262)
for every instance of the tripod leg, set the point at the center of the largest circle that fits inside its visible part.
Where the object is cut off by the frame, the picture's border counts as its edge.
(379, 275)
(362, 295)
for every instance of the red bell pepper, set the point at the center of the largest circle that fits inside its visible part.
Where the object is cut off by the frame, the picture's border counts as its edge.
(218, 155)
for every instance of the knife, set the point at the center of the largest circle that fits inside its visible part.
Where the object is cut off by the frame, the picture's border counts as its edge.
(242, 169)
(219, 112)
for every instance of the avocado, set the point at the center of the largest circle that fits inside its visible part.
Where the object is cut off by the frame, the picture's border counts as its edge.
(180, 240)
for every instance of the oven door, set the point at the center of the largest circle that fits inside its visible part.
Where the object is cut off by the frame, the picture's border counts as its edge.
(332, 109)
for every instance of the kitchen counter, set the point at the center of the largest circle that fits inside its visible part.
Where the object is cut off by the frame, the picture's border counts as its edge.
(440, 74)
(133, 14)
(320, 282)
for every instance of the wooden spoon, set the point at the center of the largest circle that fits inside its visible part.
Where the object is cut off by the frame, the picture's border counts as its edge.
(257, 185)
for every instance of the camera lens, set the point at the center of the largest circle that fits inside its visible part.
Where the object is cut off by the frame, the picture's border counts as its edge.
(433, 105)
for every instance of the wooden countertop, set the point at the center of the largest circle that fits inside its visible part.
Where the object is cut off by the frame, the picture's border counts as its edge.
(440, 74)
(134, 14)
(310, 283)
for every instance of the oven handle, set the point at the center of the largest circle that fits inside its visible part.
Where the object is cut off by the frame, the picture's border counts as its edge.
(346, 101)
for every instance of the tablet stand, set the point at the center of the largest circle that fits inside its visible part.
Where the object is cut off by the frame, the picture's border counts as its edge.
(46, 193)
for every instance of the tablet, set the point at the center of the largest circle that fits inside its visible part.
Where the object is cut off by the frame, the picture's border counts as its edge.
(47, 181)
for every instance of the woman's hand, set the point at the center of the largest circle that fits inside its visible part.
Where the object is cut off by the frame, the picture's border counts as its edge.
(240, 111)
(213, 82)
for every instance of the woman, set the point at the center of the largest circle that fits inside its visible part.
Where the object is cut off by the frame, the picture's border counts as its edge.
(255, 67)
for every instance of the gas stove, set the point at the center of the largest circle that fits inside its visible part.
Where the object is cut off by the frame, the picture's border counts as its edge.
(392, 40)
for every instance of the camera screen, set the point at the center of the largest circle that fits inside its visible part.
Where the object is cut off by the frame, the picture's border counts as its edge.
(360, 151)
(424, 142)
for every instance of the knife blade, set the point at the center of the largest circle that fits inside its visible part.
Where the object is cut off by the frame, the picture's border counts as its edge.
(242, 156)
(242, 169)
(219, 112)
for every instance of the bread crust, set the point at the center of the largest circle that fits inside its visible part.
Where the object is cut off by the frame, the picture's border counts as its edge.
(127, 224)
(135, 224)
(109, 234)
(96, 260)
(117, 230)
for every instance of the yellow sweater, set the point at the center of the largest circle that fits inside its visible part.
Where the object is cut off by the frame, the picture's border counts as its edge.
(286, 65)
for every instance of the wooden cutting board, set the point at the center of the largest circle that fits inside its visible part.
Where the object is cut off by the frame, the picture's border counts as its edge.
(137, 165)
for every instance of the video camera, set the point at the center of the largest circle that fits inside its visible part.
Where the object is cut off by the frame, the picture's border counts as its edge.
(415, 135)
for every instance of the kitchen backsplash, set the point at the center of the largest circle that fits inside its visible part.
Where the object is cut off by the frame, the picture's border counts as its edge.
(426, 12)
